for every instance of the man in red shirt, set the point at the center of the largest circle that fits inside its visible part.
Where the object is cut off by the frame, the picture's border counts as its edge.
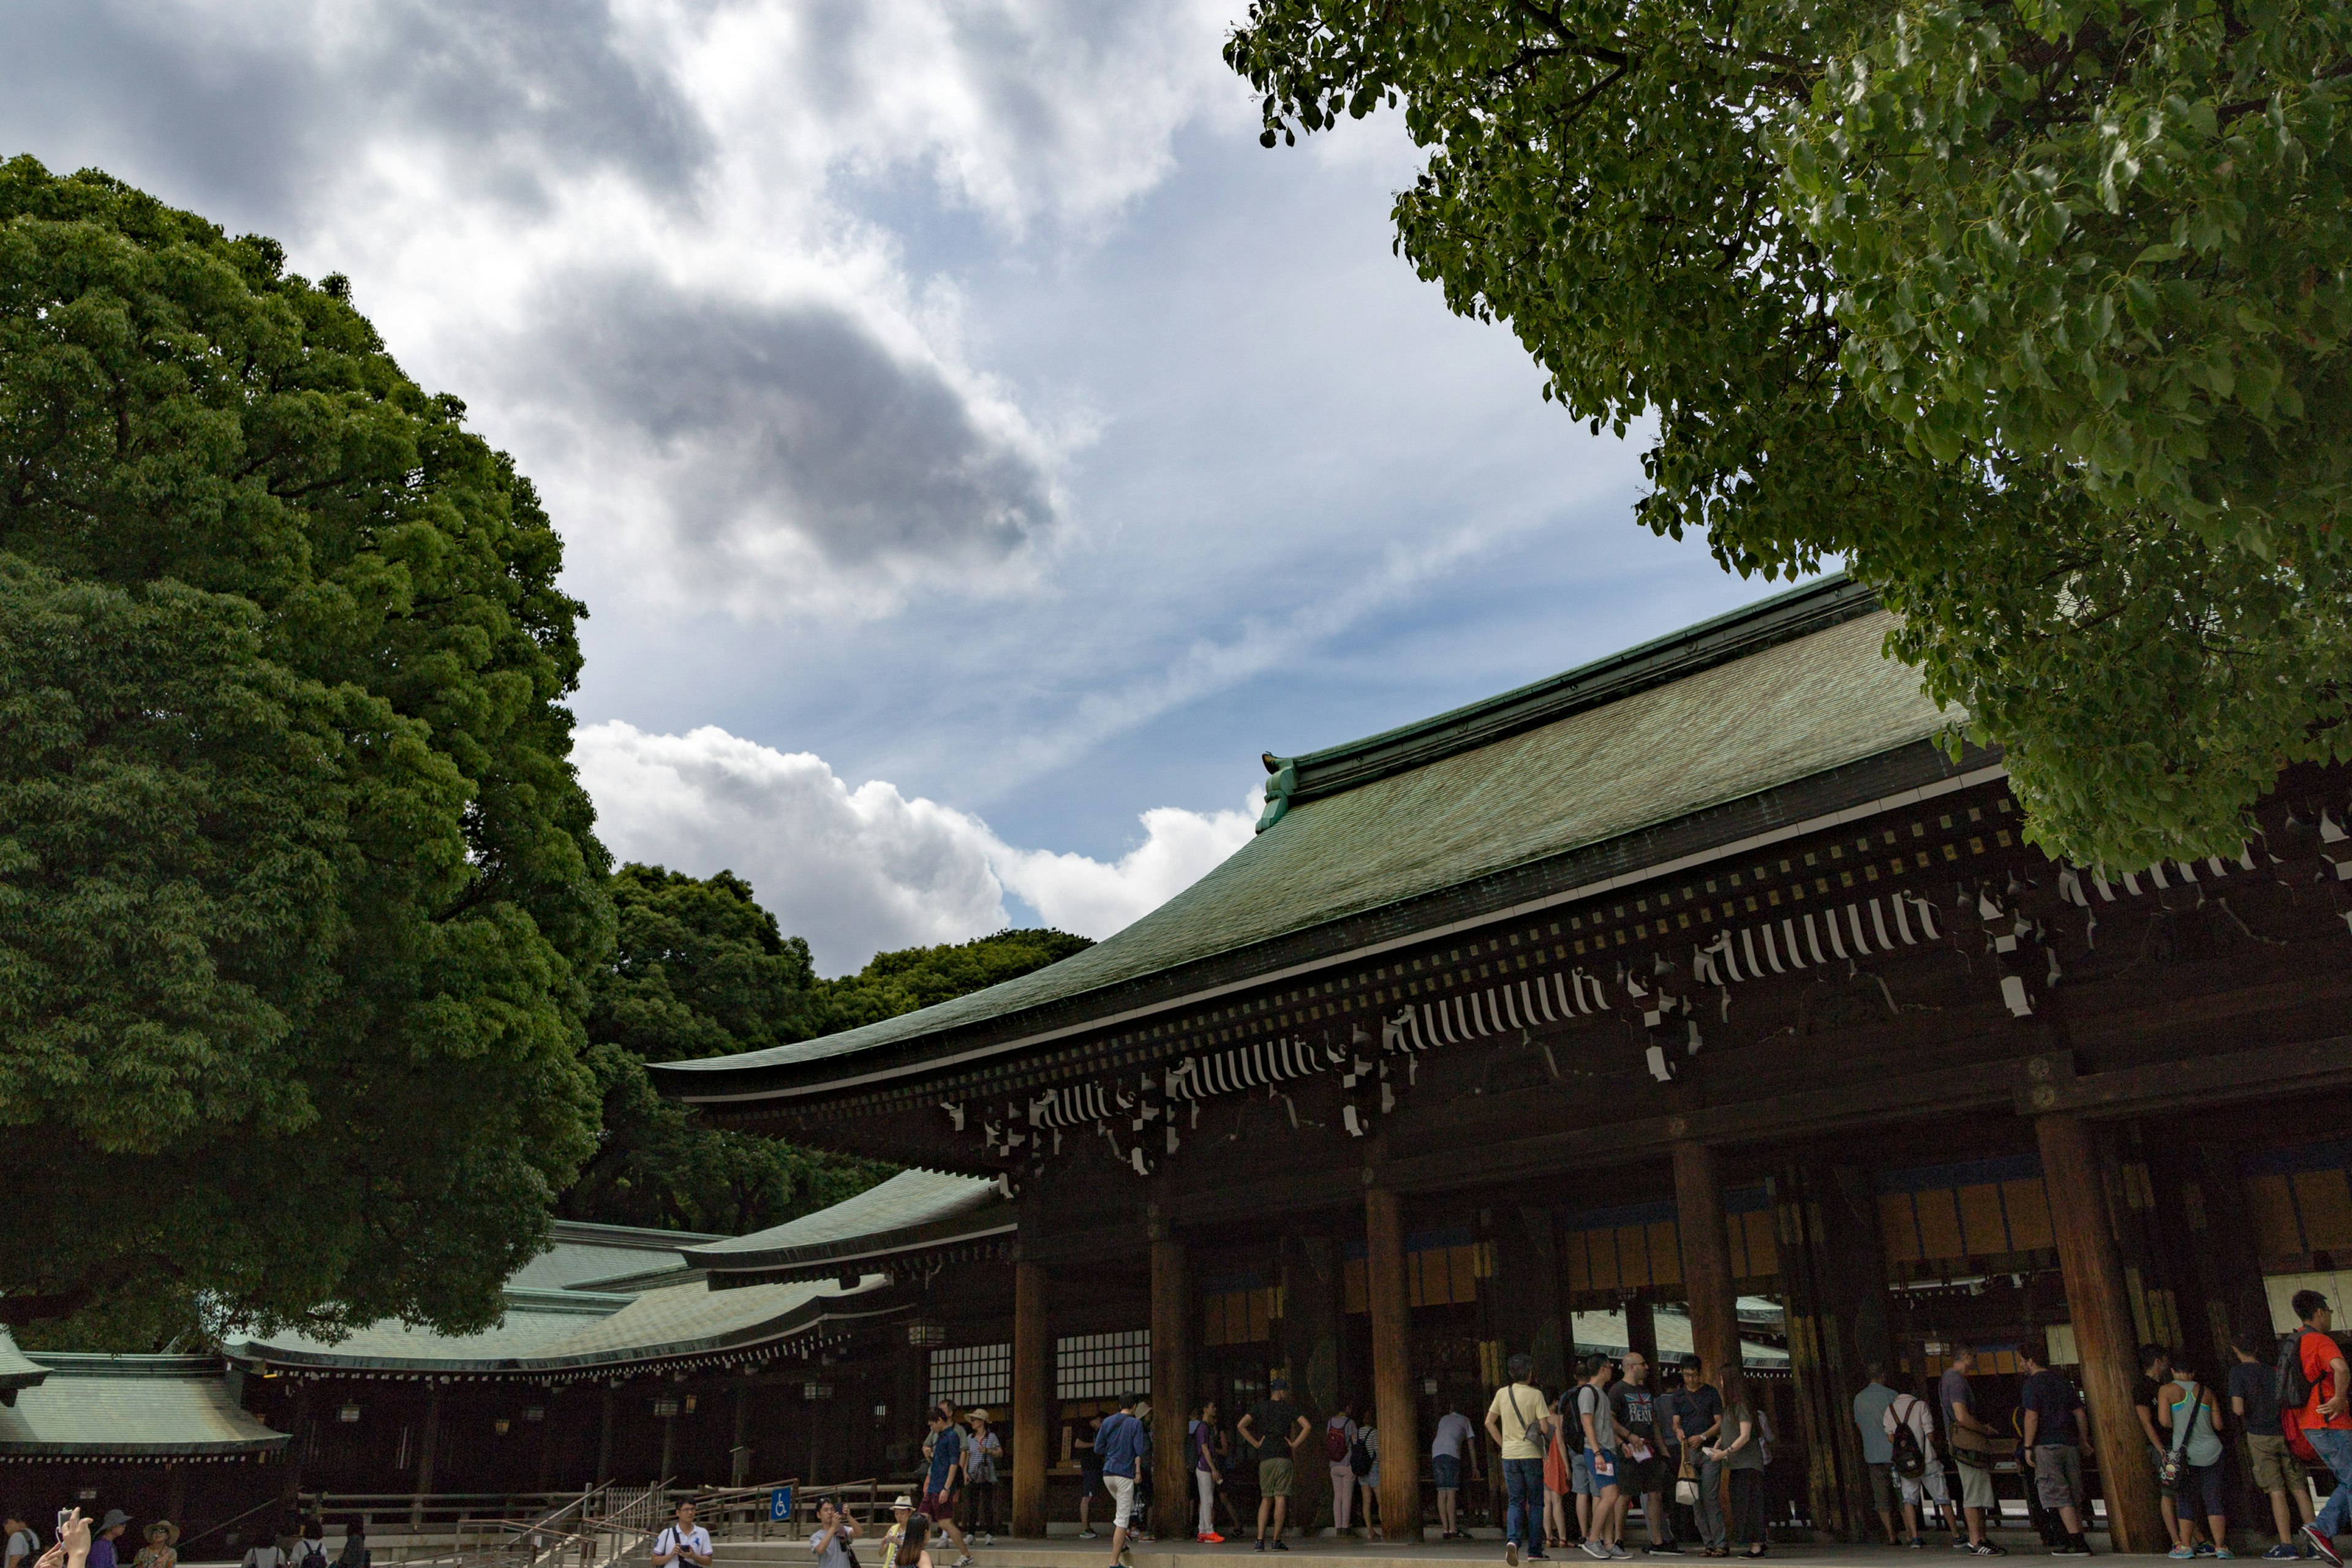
(2326, 1419)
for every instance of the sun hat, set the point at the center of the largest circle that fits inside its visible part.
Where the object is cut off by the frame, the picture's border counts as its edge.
(171, 1532)
(114, 1516)
(902, 1500)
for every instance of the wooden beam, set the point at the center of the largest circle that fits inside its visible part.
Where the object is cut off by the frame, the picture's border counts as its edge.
(1706, 1257)
(2096, 1298)
(2203, 1081)
(1393, 1391)
(1172, 1385)
(1032, 1373)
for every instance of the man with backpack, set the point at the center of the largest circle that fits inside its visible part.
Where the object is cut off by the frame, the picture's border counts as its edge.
(1870, 1407)
(1910, 1433)
(2253, 1399)
(2315, 1387)
(1518, 1423)
(2057, 1436)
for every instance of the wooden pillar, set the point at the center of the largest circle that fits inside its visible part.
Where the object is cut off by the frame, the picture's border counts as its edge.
(1806, 1208)
(1707, 1259)
(1171, 1387)
(1031, 1379)
(1309, 1353)
(300, 1426)
(1398, 1414)
(426, 1442)
(176, 1493)
(2101, 1308)
(547, 1439)
(739, 1453)
(1525, 1300)
(604, 1434)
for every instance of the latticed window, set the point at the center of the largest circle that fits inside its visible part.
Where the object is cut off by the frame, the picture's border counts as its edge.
(968, 1375)
(1103, 1366)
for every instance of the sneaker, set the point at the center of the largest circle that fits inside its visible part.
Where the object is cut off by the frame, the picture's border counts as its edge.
(1535, 1554)
(1987, 1548)
(1510, 1548)
(2223, 1551)
(1280, 1544)
(1668, 1549)
(2180, 1553)
(2205, 1548)
(2078, 1547)
(1617, 1552)
(1917, 1543)
(1261, 1543)
(2282, 1552)
(2321, 1544)
(1211, 1539)
(1594, 1549)
(1087, 1533)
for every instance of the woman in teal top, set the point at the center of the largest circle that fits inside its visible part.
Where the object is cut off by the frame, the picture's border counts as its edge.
(2193, 1419)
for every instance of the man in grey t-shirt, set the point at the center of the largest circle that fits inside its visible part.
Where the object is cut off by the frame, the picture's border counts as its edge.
(1967, 1434)
(1870, 1407)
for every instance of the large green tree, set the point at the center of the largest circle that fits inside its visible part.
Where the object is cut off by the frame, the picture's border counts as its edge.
(2035, 312)
(299, 896)
(701, 970)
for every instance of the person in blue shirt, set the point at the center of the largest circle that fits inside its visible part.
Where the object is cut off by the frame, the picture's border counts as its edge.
(944, 1451)
(1120, 1444)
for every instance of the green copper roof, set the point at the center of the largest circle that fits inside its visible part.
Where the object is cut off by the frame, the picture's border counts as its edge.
(107, 1407)
(673, 1323)
(1729, 709)
(911, 1210)
(17, 1369)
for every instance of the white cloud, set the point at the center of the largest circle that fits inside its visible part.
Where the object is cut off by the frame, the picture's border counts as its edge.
(858, 871)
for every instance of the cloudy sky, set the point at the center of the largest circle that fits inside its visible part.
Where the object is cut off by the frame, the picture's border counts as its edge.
(972, 447)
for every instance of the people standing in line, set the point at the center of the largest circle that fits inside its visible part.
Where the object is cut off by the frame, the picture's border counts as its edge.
(2252, 1390)
(1090, 1479)
(2055, 1441)
(1699, 1421)
(1597, 1430)
(1274, 1428)
(1870, 1407)
(2154, 1372)
(1739, 1449)
(1556, 1476)
(23, 1544)
(2325, 1417)
(2193, 1428)
(681, 1541)
(1200, 1443)
(1634, 1409)
(1908, 1414)
(1518, 1423)
(1971, 1436)
(983, 1450)
(943, 1477)
(1339, 1456)
(1455, 1444)
(834, 1531)
(1122, 1442)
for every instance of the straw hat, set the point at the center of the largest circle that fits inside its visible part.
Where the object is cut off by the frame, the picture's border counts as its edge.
(902, 1500)
(170, 1531)
(975, 1414)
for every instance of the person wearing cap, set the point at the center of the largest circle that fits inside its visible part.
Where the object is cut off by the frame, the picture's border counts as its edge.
(162, 1537)
(1273, 1428)
(110, 1530)
(902, 1508)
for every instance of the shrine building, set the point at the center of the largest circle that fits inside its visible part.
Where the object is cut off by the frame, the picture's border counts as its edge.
(1703, 998)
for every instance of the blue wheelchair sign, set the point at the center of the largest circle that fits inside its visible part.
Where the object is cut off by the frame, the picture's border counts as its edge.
(780, 1505)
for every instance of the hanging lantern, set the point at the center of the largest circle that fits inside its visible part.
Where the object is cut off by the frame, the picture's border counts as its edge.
(349, 1413)
(813, 1391)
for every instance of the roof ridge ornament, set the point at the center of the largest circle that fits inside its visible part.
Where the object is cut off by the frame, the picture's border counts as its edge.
(1284, 779)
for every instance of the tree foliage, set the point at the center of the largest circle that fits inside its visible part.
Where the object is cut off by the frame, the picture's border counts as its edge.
(2034, 311)
(297, 889)
(701, 970)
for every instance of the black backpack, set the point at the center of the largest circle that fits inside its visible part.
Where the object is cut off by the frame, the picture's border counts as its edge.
(1910, 1463)
(2293, 1388)
(1360, 1457)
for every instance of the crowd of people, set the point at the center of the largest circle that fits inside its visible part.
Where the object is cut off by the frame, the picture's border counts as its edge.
(301, 1543)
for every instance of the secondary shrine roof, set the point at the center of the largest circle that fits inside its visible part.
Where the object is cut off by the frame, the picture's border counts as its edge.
(1722, 712)
(143, 1407)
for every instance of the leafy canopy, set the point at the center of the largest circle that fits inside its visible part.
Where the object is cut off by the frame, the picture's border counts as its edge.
(2035, 312)
(701, 970)
(297, 891)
